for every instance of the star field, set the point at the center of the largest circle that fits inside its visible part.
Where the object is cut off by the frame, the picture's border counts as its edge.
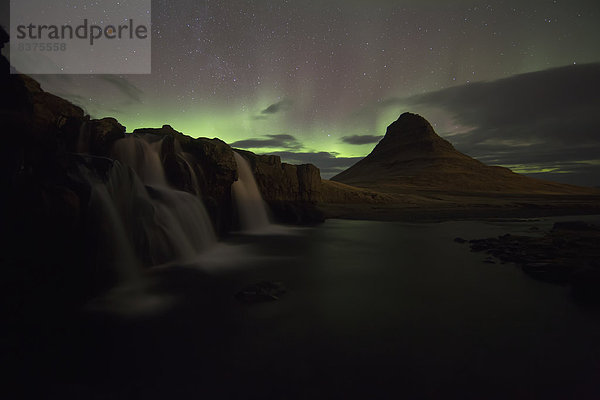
(339, 66)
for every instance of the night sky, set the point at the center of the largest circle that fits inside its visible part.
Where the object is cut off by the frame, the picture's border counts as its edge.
(514, 83)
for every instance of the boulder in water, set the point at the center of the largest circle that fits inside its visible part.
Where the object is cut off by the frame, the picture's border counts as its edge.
(261, 292)
(568, 254)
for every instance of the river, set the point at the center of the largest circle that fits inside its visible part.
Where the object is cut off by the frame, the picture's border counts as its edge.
(372, 310)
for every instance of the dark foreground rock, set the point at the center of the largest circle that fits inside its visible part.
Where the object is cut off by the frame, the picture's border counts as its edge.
(569, 254)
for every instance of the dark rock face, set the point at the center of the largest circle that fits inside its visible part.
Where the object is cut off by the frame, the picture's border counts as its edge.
(50, 111)
(216, 169)
(103, 134)
(38, 209)
(568, 254)
(49, 148)
(292, 191)
(279, 181)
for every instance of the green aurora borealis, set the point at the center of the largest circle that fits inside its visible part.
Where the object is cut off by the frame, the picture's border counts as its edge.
(314, 73)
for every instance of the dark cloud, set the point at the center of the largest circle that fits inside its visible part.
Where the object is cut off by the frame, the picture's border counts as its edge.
(127, 88)
(282, 105)
(87, 107)
(81, 89)
(575, 174)
(275, 141)
(541, 118)
(361, 139)
(328, 162)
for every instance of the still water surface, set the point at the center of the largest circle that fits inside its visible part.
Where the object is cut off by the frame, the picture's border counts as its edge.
(373, 310)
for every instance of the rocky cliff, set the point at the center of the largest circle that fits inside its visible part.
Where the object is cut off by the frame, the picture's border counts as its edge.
(55, 159)
(292, 191)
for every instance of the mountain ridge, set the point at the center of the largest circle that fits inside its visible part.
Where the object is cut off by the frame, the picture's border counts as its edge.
(412, 156)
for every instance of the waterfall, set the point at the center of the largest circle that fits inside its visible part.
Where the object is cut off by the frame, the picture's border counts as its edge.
(183, 223)
(176, 225)
(138, 217)
(143, 157)
(252, 209)
(113, 243)
(108, 231)
(189, 160)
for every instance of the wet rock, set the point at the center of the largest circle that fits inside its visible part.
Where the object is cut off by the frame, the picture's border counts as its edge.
(261, 292)
(568, 254)
(103, 133)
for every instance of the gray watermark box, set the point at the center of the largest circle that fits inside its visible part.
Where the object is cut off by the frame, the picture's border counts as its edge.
(80, 37)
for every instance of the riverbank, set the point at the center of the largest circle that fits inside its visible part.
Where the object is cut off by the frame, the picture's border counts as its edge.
(433, 206)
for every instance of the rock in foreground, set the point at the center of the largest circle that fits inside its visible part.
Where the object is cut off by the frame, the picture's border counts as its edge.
(261, 292)
(568, 254)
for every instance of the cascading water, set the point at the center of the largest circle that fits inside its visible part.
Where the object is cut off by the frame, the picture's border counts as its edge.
(166, 224)
(143, 157)
(183, 222)
(114, 246)
(252, 209)
(189, 159)
(137, 218)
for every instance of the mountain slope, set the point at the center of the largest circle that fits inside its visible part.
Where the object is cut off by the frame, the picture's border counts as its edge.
(411, 156)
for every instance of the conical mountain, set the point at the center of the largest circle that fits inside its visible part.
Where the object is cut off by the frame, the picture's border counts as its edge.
(411, 156)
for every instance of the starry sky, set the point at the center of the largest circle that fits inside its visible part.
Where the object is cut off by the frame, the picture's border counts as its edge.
(513, 83)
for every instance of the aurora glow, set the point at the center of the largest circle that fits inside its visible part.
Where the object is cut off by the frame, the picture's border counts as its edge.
(345, 68)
